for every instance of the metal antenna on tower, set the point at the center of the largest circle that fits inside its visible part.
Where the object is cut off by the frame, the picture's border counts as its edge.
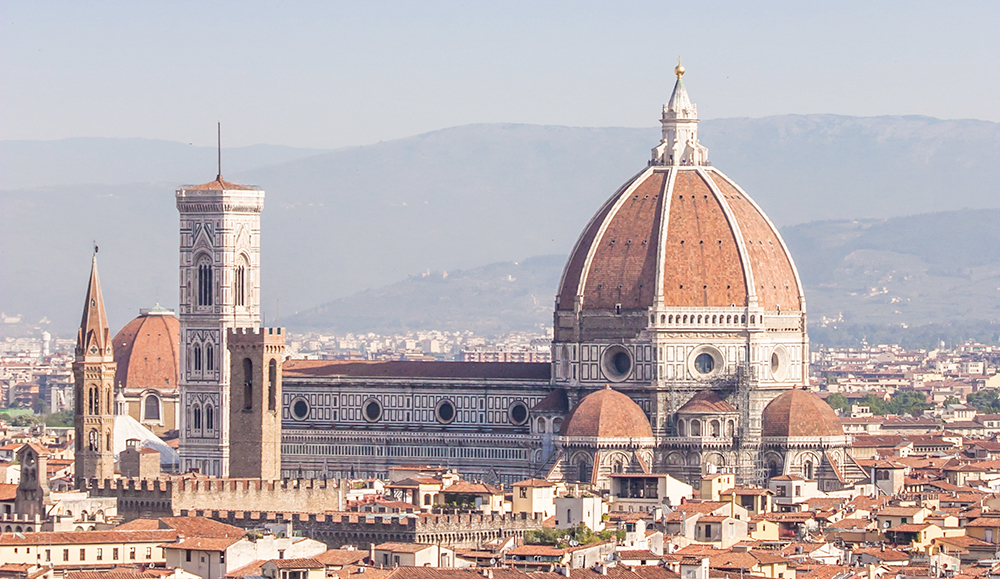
(219, 176)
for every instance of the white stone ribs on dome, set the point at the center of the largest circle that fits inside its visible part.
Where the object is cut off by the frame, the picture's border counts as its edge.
(661, 243)
(631, 183)
(622, 197)
(741, 245)
(791, 262)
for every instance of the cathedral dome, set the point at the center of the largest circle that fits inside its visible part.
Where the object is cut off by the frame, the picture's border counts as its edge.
(147, 351)
(607, 413)
(679, 234)
(797, 412)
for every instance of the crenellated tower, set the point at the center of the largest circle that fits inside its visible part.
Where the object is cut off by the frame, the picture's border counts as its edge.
(94, 374)
(219, 291)
(255, 402)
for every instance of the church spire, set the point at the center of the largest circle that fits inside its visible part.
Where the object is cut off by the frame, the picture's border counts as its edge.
(679, 144)
(94, 331)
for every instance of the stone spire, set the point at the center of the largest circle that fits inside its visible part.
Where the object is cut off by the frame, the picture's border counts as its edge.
(93, 375)
(94, 336)
(679, 144)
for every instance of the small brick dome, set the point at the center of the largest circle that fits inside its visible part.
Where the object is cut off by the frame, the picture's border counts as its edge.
(798, 412)
(147, 351)
(607, 414)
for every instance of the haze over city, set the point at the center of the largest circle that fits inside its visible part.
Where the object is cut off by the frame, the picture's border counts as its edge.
(336, 74)
(499, 290)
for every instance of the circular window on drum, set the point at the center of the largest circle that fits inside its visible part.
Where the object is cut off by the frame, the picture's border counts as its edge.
(300, 409)
(518, 413)
(372, 410)
(616, 363)
(779, 363)
(706, 362)
(445, 411)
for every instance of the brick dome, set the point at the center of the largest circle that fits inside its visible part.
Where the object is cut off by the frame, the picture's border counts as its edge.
(679, 234)
(607, 414)
(797, 412)
(147, 351)
(694, 240)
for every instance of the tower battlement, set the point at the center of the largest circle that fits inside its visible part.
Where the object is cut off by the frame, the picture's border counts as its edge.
(255, 337)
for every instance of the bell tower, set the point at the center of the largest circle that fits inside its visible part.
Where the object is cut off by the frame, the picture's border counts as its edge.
(219, 291)
(94, 374)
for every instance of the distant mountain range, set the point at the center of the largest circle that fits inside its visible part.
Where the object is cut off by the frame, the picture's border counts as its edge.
(340, 222)
(881, 280)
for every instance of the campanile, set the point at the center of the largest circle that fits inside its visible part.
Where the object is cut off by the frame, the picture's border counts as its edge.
(219, 291)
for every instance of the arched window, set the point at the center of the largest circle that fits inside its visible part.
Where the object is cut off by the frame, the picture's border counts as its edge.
(204, 282)
(247, 384)
(670, 319)
(730, 428)
(695, 428)
(109, 446)
(209, 417)
(152, 408)
(807, 470)
(196, 354)
(716, 428)
(108, 408)
(94, 441)
(92, 402)
(197, 417)
(272, 386)
(680, 428)
(209, 357)
(427, 499)
(239, 285)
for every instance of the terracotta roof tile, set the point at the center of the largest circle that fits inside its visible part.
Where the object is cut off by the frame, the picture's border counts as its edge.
(219, 184)
(607, 413)
(147, 352)
(797, 412)
(706, 402)
(406, 369)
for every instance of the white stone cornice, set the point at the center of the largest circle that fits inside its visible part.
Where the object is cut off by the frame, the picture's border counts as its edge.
(623, 195)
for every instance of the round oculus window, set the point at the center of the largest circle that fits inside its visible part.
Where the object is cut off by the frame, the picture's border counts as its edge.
(300, 409)
(704, 363)
(518, 413)
(616, 363)
(445, 411)
(779, 363)
(372, 410)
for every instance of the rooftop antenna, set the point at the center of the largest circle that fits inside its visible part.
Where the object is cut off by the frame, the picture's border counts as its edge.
(219, 177)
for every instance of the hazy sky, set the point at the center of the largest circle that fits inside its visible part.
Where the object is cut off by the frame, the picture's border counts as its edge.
(331, 74)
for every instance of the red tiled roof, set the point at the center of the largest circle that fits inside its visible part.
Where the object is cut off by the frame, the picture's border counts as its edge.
(341, 557)
(406, 369)
(533, 482)
(706, 402)
(607, 413)
(615, 259)
(798, 412)
(219, 184)
(204, 544)
(8, 492)
(147, 352)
